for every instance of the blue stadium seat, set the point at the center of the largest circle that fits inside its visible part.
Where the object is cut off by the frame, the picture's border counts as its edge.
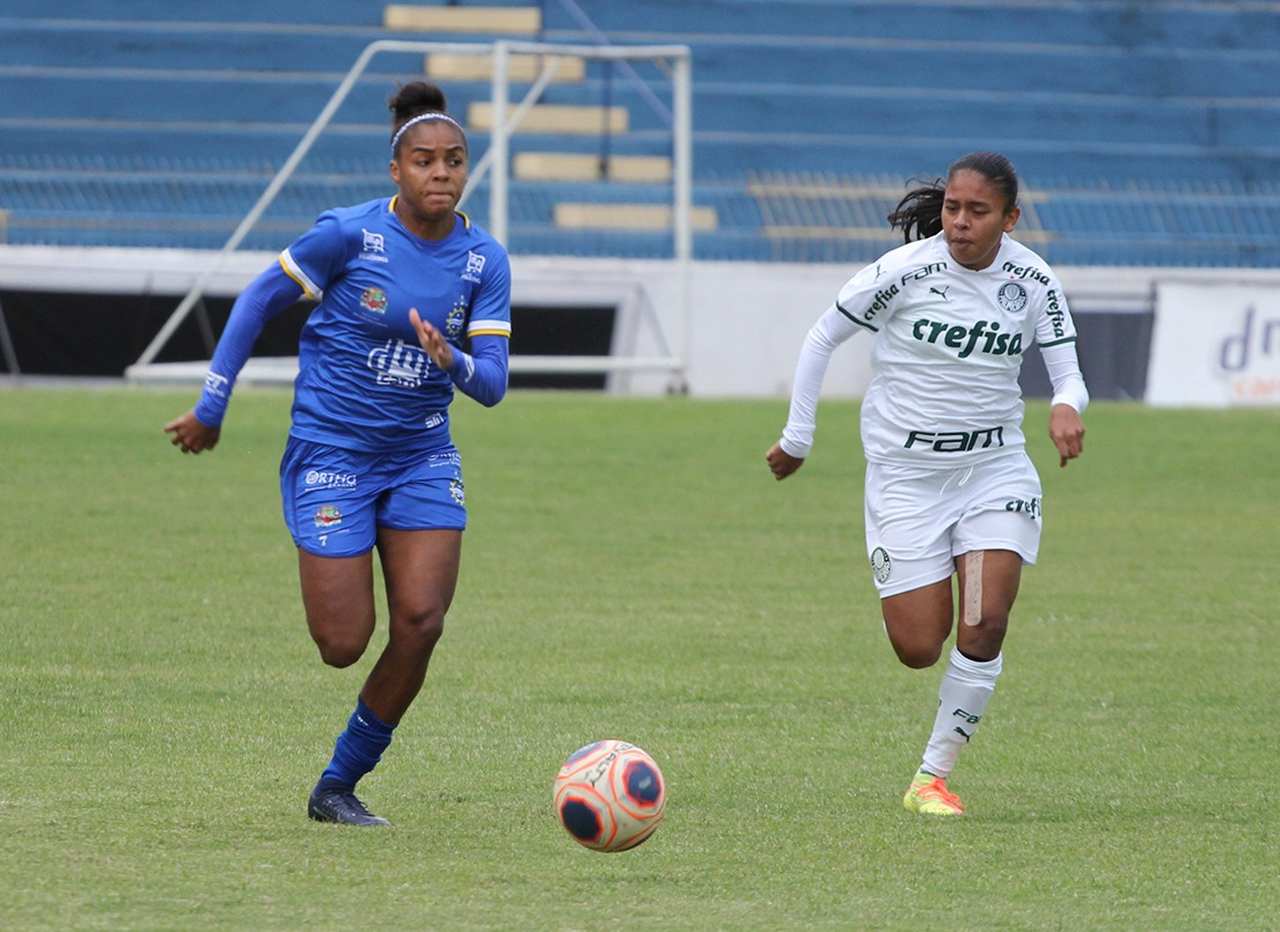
(1146, 134)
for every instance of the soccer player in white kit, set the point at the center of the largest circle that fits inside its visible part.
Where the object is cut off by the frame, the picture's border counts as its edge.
(949, 486)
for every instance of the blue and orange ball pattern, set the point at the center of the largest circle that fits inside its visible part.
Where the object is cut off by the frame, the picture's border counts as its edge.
(580, 819)
(610, 795)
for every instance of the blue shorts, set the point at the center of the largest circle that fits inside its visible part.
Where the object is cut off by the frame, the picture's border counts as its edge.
(335, 500)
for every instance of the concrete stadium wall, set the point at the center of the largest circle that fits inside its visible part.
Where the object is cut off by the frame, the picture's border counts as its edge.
(740, 336)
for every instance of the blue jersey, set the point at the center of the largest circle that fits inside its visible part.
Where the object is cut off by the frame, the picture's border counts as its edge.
(364, 382)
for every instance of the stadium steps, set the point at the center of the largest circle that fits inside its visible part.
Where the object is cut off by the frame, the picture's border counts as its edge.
(441, 66)
(571, 166)
(834, 83)
(472, 20)
(570, 215)
(580, 119)
(1209, 26)
(786, 109)
(846, 60)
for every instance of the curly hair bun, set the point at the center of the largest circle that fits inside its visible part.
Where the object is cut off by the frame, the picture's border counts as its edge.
(414, 99)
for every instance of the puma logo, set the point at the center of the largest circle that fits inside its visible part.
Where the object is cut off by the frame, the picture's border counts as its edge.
(941, 291)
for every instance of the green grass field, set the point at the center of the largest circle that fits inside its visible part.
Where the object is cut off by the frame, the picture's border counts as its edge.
(633, 571)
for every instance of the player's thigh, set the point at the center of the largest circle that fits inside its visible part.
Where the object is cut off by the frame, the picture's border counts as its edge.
(420, 522)
(337, 593)
(421, 572)
(918, 622)
(328, 497)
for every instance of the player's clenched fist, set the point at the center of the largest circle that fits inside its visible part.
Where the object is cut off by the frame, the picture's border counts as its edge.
(188, 433)
(781, 463)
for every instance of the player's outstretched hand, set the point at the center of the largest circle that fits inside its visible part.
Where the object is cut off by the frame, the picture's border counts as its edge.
(190, 435)
(781, 463)
(432, 341)
(1066, 430)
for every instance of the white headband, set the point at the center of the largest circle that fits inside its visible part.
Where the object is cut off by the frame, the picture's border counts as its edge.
(422, 118)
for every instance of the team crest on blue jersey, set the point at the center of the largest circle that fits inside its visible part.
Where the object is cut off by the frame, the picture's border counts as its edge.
(1012, 297)
(374, 299)
(456, 317)
(475, 267)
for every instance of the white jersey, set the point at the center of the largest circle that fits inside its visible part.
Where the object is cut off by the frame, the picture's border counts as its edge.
(948, 349)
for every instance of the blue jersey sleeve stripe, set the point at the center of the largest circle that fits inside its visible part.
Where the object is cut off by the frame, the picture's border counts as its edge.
(498, 327)
(294, 271)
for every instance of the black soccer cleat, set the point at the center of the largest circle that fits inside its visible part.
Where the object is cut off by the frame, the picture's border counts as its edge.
(330, 804)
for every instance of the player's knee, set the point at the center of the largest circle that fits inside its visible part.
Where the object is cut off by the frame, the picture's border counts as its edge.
(989, 634)
(340, 650)
(917, 656)
(994, 624)
(421, 628)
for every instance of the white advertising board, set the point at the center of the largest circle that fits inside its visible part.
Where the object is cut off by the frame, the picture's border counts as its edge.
(1215, 345)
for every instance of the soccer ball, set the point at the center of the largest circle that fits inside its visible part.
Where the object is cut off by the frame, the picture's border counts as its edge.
(610, 796)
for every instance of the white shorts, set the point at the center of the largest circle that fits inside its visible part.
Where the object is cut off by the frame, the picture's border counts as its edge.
(920, 520)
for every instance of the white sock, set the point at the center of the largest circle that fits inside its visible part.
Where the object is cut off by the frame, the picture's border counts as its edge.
(962, 698)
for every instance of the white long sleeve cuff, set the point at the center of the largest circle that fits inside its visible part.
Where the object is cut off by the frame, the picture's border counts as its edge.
(1064, 373)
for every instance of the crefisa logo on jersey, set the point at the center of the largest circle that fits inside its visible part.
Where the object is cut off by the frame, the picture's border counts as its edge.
(374, 299)
(1054, 312)
(1012, 297)
(1026, 271)
(474, 269)
(1027, 506)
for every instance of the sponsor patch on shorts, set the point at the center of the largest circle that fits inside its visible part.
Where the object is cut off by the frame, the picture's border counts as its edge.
(328, 516)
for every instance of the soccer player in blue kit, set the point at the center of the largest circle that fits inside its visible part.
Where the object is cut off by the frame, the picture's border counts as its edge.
(402, 283)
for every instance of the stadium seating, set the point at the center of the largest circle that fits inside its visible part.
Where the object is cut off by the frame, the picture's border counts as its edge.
(1145, 133)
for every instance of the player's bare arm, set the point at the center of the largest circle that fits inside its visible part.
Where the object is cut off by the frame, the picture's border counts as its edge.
(190, 435)
(1066, 430)
(781, 463)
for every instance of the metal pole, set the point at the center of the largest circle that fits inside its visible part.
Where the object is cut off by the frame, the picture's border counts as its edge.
(683, 195)
(286, 171)
(267, 196)
(6, 346)
(517, 117)
(650, 97)
(605, 130)
(682, 189)
(498, 146)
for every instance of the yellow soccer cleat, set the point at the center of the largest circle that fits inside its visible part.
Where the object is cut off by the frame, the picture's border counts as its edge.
(929, 795)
